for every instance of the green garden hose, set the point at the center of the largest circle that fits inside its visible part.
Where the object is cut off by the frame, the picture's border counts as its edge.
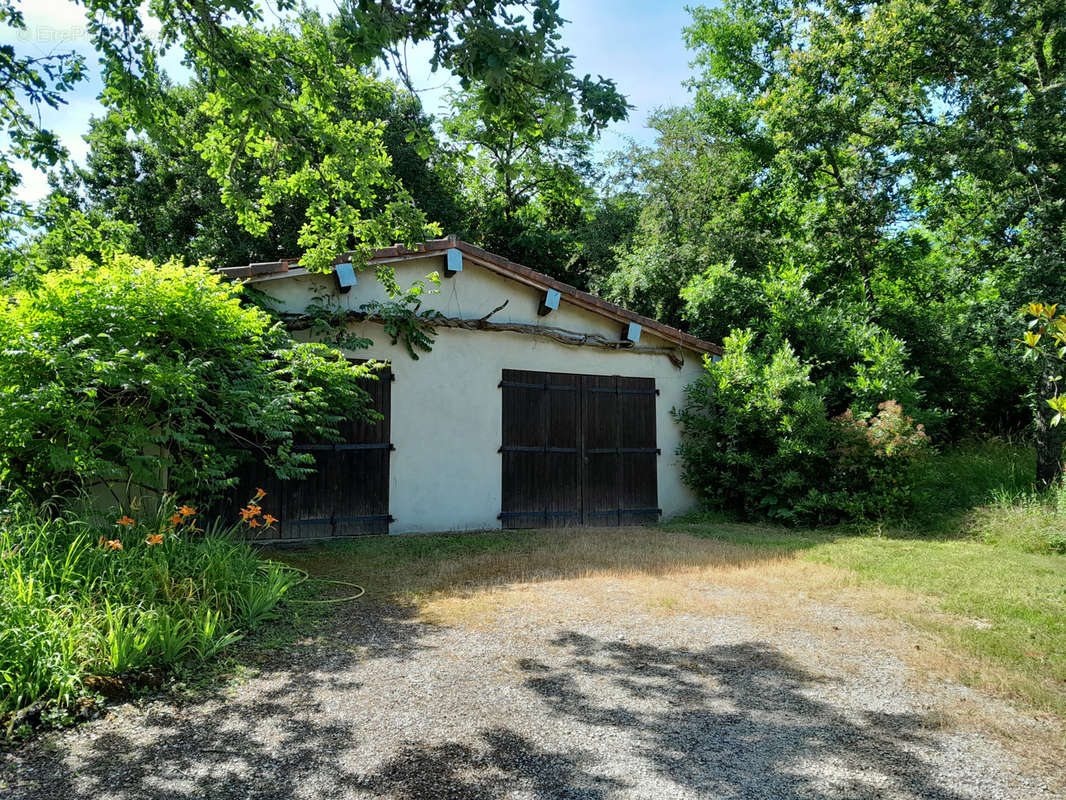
(306, 578)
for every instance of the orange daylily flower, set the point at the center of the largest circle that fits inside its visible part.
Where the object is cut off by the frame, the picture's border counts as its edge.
(260, 494)
(175, 520)
(254, 523)
(153, 538)
(113, 544)
(187, 511)
(250, 511)
(270, 519)
(125, 520)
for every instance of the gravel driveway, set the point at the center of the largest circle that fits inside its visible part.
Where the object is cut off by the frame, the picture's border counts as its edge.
(565, 689)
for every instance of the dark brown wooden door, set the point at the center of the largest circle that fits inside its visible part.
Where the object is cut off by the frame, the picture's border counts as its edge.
(348, 494)
(578, 450)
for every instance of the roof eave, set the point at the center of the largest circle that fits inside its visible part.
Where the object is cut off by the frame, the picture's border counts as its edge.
(531, 277)
(289, 268)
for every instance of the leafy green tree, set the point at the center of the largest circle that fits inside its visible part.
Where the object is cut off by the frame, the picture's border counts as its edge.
(527, 167)
(525, 196)
(607, 230)
(985, 116)
(29, 84)
(172, 206)
(272, 96)
(837, 139)
(62, 231)
(128, 370)
(705, 202)
(754, 432)
(855, 363)
(778, 75)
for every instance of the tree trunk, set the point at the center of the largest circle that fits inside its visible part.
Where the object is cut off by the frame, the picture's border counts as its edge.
(1049, 439)
(864, 271)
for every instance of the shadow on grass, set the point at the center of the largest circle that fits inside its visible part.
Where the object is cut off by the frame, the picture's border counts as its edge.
(599, 719)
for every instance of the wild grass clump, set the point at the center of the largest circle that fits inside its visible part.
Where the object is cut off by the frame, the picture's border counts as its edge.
(959, 479)
(1030, 521)
(985, 490)
(82, 598)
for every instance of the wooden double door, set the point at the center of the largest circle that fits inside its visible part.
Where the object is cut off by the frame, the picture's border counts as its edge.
(347, 495)
(578, 450)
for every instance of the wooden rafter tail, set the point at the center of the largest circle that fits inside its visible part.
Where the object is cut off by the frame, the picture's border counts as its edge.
(296, 322)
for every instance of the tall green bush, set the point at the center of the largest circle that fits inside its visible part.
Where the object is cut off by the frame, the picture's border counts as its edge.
(125, 370)
(755, 432)
(854, 362)
(757, 441)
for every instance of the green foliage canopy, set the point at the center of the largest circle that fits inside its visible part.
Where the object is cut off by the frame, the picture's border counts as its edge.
(125, 370)
(757, 441)
(277, 97)
(154, 197)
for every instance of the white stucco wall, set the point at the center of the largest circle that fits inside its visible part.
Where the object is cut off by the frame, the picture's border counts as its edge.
(447, 409)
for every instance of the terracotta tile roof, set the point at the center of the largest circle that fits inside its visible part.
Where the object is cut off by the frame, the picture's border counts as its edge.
(502, 266)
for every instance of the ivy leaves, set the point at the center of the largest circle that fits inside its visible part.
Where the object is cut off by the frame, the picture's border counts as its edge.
(403, 321)
(401, 317)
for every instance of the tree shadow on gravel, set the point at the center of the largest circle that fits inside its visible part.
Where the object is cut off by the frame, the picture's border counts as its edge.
(284, 741)
(727, 721)
(501, 763)
(179, 757)
(218, 743)
(733, 721)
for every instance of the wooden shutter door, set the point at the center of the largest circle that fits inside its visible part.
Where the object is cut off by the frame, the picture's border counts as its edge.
(347, 495)
(577, 449)
(362, 463)
(639, 494)
(541, 481)
(602, 426)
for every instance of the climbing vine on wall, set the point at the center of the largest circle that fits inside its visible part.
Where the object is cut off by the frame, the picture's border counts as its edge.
(403, 321)
(401, 317)
(329, 323)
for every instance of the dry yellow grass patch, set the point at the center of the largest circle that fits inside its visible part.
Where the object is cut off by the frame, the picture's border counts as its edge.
(582, 553)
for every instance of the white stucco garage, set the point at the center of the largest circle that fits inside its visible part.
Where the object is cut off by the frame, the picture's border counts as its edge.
(447, 418)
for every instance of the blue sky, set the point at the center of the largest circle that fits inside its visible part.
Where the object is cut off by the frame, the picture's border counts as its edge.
(635, 42)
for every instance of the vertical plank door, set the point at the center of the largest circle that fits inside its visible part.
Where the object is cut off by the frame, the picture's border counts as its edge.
(347, 495)
(577, 450)
(541, 470)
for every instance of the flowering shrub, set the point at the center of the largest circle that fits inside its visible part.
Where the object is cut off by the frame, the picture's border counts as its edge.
(874, 459)
(757, 442)
(127, 370)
